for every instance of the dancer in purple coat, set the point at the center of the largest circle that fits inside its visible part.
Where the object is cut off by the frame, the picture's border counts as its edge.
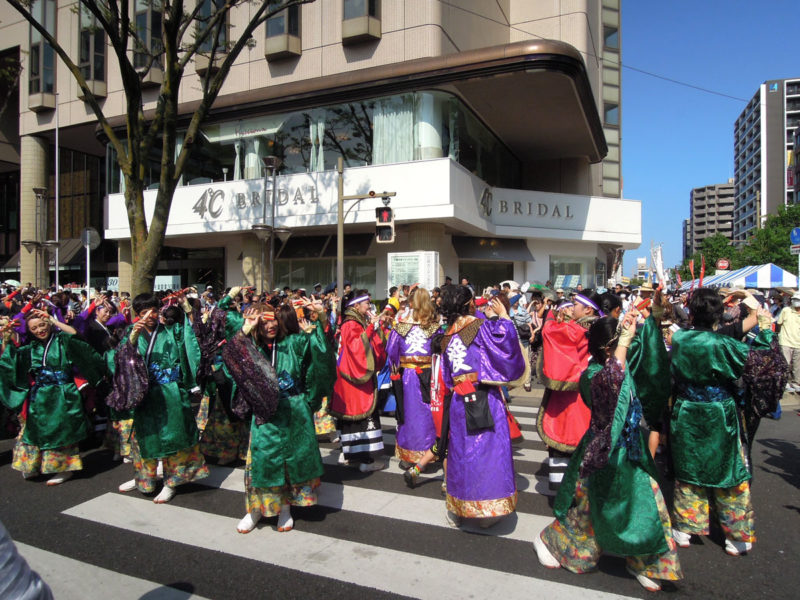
(478, 357)
(409, 354)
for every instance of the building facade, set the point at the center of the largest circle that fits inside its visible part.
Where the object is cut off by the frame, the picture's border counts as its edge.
(711, 213)
(763, 146)
(497, 125)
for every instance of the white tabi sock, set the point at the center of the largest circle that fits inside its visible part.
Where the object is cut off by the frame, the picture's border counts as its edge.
(59, 478)
(285, 520)
(128, 486)
(249, 522)
(165, 495)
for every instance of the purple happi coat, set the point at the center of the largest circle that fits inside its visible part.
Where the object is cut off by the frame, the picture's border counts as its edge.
(408, 343)
(480, 467)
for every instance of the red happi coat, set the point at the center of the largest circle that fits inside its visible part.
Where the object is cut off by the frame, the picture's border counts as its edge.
(563, 416)
(362, 354)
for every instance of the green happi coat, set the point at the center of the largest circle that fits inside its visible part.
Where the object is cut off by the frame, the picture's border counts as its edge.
(705, 426)
(56, 417)
(624, 512)
(285, 449)
(164, 422)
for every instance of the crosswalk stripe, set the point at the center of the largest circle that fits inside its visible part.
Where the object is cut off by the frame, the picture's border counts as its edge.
(519, 453)
(367, 565)
(68, 579)
(404, 507)
(525, 483)
(391, 421)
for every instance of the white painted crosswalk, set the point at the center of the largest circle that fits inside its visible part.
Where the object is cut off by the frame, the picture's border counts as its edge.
(368, 565)
(341, 553)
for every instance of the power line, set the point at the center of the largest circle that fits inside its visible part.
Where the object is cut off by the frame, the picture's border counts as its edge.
(620, 64)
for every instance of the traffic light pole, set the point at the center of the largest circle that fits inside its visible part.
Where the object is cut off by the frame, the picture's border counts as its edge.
(340, 225)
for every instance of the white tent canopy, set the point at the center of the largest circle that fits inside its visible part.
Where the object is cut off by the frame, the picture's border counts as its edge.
(766, 276)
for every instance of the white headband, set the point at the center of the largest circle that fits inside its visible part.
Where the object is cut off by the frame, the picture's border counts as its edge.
(587, 302)
(355, 301)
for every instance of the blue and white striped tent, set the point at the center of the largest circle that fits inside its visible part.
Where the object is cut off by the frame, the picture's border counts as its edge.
(760, 276)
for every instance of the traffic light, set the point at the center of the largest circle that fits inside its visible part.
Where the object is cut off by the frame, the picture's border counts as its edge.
(384, 228)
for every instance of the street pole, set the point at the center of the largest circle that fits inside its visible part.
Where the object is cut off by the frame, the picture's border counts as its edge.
(340, 232)
(58, 218)
(86, 246)
(263, 220)
(272, 232)
(340, 222)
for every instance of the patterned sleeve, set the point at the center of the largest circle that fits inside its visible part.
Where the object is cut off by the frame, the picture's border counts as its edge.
(605, 387)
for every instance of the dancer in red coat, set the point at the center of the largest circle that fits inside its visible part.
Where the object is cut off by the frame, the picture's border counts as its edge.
(362, 354)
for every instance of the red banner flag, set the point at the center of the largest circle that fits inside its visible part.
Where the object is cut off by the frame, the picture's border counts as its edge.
(691, 272)
(702, 269)
(680, 283)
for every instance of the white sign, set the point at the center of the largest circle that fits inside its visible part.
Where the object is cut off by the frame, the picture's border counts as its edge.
(112, 284)
(167, 282)
(795, 248)
(408, 268)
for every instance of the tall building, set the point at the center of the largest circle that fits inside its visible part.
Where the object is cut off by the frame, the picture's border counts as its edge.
(497, 124)
(686, 238)
(763, 143)
(711, 213)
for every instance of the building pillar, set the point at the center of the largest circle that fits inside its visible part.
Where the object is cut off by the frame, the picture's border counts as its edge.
(33, 222)
(429, 125)
(432, 237)
(125, 265)
(251, 261)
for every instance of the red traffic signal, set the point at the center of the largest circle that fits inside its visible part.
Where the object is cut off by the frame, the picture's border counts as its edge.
(384, 230)
(384, 215)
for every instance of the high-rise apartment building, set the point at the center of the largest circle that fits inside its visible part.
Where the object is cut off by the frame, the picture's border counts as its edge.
(711, 213)
(497, 124)
(763, 144)
(686, 238)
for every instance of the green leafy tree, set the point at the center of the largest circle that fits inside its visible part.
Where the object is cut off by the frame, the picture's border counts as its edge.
(190, 30)
(712, 248)
(771, 242)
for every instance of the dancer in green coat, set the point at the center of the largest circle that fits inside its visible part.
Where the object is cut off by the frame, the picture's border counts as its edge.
(284, 464)
(37, 379)
(154, 374)
(706, 428)
(609, 500)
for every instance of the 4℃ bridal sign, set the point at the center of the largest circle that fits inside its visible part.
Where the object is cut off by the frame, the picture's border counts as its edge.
(408, 268)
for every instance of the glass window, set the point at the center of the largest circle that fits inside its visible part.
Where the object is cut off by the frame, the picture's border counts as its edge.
(386, 130)
(572, 270)
(92, 46)
(218, 39)
(611, 37)
(483, 274)
(147, 22)
(286, 22)
(361, 8)
(304, 273)
(611, 114)
(42, 74)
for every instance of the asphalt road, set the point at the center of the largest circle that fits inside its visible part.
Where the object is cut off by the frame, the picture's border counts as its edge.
(370, 536)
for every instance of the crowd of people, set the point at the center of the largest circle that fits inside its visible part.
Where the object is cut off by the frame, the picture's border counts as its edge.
(176, 378)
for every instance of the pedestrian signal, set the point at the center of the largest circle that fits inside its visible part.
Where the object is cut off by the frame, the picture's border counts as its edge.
(384, 225)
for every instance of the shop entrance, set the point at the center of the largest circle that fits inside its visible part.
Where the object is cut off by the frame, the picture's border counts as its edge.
(483, 274)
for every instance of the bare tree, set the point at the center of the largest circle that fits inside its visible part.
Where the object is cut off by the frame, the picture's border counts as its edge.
(190, 29)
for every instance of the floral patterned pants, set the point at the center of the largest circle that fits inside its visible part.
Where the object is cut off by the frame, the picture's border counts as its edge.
(221, 438)
(268, 500)
(733, 505)
(574, 545)
(324, 423)
(182, 467)
(32, 460)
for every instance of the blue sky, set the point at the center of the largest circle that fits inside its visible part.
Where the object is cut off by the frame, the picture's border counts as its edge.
(675, 138)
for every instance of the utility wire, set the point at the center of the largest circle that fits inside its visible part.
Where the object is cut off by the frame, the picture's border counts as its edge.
(619, 64)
